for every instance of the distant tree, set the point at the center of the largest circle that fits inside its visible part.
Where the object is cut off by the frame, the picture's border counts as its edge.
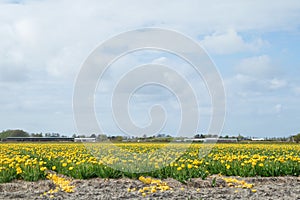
(240, 137)
(211, 136)
(19, 133)
(201, 136)
(93, 135)
(197, 136)
(74, 135)
(101, 137)
(119, 138)
(13, 133)
(47, 134)
(116, 138)
(4, 134)
(160, 135)
(55, 135)
(36, 134)
(297, 138)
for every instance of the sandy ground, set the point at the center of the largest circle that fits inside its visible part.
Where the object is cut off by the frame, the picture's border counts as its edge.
(266, 188)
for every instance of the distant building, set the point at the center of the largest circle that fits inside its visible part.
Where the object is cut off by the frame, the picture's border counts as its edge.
(38, 139)
(258, 139)
(211, 140)
(84, 139)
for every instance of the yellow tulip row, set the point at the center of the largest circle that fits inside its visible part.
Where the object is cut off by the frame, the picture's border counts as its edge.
(30, 161)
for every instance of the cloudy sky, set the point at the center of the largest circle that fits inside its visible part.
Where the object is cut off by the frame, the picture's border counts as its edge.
(254, 45)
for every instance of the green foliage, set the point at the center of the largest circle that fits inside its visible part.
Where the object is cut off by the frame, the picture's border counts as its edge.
(36, 134)
(297, 138)
(13, 133)
(102, 137)
(31, 162)
(214, 181)
(116, 138)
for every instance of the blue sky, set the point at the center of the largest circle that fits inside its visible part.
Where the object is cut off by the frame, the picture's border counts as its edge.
(255, 46)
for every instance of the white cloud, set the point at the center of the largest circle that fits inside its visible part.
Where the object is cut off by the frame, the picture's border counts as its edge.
(277, 83)
(257, 66)
(26, 31)
(41, 29)
(241, 78)
(278, 108)
(257, 74)
(230, 42)
(255, 77)
(45, 42)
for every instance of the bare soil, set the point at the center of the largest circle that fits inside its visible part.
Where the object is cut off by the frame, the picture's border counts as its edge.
(266, 188)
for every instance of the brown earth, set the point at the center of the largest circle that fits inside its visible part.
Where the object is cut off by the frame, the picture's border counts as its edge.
(266, 188)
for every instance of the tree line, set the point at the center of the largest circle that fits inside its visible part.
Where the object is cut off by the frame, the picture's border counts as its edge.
(103, 137)
(22, 133)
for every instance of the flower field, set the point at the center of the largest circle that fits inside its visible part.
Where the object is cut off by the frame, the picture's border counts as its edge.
(34, 161)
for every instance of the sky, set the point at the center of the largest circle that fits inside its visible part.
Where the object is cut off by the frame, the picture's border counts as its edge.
(254, 45)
